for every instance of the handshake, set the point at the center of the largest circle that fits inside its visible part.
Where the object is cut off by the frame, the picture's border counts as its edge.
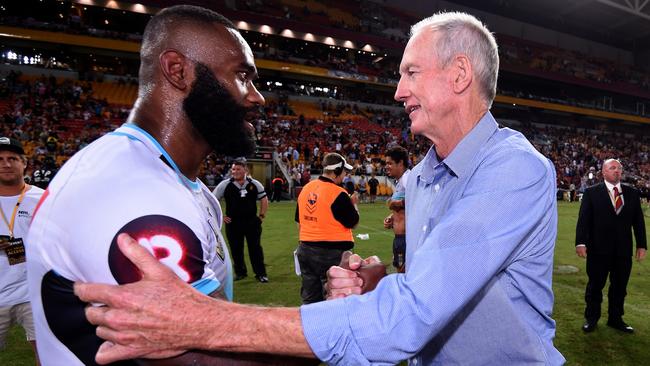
(354, 276)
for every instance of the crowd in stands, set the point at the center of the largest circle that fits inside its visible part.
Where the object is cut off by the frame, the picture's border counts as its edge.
(58, 16)
(55, 119)
(517, 52)
(358, 16)
(578, 152)
(517, 55)
(338, 60)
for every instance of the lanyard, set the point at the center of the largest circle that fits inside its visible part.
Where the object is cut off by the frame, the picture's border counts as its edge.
(10, 225)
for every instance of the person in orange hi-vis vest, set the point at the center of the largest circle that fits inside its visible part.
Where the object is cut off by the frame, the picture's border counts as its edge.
(326, 214)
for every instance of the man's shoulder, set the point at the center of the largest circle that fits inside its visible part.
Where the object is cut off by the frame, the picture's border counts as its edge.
(255, 181)
(628, 188)
(513, 154)
(595, 187)
(223, 184)
(34, 192)
(111, 158)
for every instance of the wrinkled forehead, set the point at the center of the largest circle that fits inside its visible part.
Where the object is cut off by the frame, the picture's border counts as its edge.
(419, 49)
(612, 164)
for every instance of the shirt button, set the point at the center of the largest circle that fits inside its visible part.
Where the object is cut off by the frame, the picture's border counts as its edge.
(415, 361)
(424, 228)
(436, 187)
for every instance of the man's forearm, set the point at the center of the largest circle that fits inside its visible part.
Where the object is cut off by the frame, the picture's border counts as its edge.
(247, 328)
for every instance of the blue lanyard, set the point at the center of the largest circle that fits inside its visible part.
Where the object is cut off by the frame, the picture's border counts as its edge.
(193, 186)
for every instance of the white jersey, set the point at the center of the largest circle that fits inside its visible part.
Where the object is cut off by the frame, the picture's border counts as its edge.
(123, 182)
(13, 269)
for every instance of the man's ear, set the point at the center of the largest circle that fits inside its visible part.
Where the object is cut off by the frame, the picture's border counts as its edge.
(173, 65)
(463, 73)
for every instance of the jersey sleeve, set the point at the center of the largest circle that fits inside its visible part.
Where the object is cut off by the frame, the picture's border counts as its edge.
(261, 193)
(220, 189)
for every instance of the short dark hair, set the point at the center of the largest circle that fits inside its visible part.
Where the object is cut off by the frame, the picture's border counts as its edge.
(168, 20)
(190, 13)
(240, 162)
(398, 154)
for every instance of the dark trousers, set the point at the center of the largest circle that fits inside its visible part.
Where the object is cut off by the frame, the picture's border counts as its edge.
(314, 263)
(251, 230)
(598, 268)
(399, 252)
(277, 194)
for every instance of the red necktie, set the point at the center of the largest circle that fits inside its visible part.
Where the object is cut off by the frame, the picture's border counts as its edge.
(618, 201)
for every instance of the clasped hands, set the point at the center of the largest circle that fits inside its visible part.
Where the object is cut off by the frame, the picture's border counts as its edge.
(354, 275)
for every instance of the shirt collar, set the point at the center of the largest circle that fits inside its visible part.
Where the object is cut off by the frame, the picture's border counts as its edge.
(460, 159)
(610, 187)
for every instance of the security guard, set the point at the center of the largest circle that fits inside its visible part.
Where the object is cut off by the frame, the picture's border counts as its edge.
(326, 215)
(242, 193)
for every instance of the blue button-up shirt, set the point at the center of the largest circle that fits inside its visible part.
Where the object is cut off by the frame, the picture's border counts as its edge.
(480, 233)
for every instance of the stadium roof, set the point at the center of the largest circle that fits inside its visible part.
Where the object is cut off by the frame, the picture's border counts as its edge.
(620, 23)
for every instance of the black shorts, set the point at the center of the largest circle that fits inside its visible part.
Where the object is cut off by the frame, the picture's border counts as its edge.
(399, 251)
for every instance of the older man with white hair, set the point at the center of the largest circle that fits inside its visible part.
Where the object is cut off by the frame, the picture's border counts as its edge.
(481, 227)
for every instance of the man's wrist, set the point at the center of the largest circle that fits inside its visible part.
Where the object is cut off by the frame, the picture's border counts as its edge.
(261, 215)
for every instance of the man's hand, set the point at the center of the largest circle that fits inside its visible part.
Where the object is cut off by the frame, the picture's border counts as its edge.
(227, 219)
(151, 318)
(640, 254)
(354, 276)
(354, 197)
(581, 251)
(388, 222)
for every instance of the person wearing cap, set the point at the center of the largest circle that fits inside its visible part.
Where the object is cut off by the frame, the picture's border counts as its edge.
(17, 204)
(326, 214)
(241, 193)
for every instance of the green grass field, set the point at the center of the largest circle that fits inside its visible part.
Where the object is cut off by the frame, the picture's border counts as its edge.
(603, 347)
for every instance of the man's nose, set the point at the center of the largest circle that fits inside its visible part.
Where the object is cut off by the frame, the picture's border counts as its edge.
(401, 93)
(254, 96)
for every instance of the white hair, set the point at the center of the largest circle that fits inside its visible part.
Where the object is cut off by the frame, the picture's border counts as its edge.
(461, 33)
(607, 161)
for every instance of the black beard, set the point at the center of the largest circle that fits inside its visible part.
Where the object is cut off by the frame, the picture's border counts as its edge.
(217, 116)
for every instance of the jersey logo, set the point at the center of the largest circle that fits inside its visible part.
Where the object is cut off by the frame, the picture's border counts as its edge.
(311, 202)
(172, 242)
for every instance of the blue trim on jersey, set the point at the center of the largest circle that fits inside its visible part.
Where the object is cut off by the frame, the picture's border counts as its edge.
(131, 137)
(206, 286)
(229, 285)
(195, 186)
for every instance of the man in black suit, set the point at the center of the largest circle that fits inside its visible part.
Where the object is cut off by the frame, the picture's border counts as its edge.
(608, 212)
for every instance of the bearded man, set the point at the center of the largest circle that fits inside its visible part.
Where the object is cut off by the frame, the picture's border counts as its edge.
(196, 86)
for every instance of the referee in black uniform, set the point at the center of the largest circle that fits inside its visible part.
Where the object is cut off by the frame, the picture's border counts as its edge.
(241, 193)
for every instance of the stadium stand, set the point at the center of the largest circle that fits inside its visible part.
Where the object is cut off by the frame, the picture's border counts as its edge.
(314, 90)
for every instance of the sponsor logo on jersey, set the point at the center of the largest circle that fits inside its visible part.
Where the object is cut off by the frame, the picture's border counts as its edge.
(172, 242)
